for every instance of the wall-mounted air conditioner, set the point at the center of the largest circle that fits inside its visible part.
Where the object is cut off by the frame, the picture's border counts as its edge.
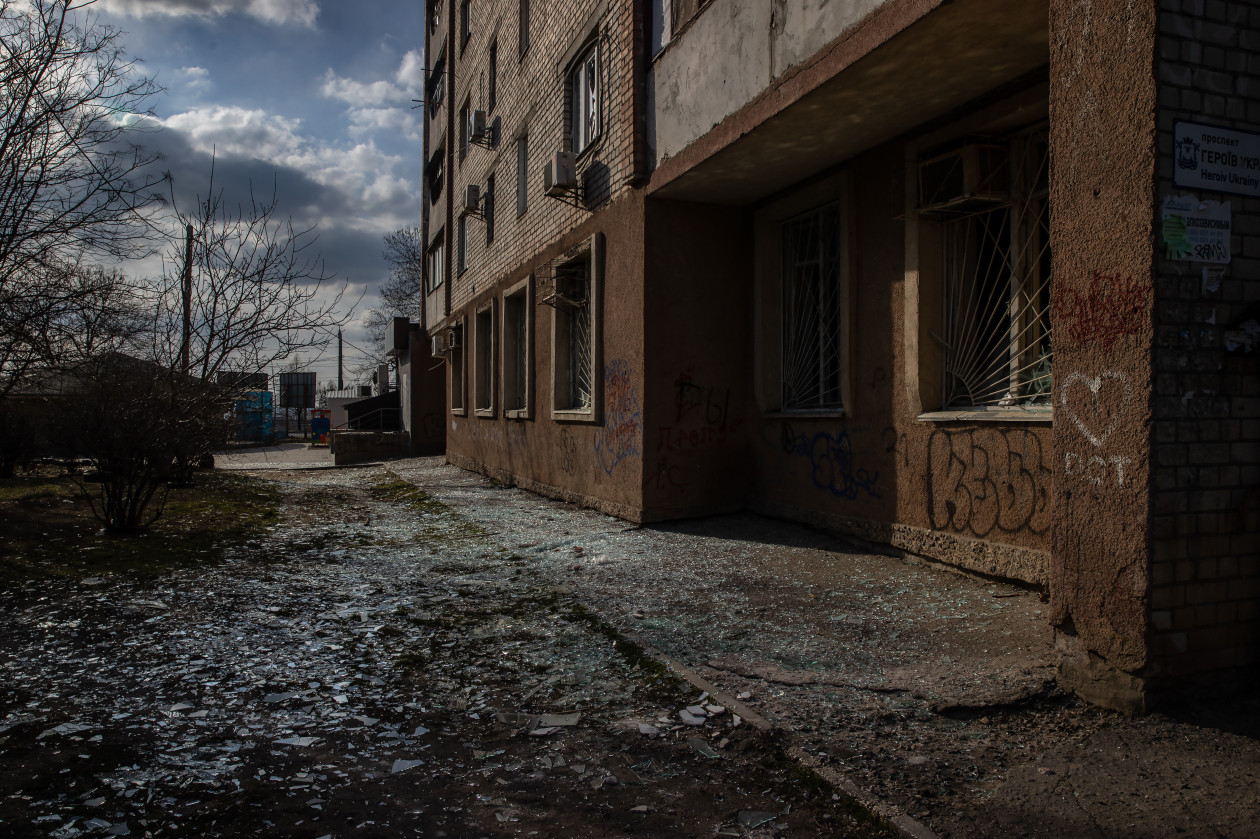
(472, 199)
(454, 338)
(969, 177)
(477, 127)
(560, 174)
(439, 345)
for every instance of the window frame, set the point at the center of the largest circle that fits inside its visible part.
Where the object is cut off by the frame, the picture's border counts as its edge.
(769, 285)
(585, 130)
(1003, 351)
(522, 30)
(465, 24)
(522, 173)
(517, 351)
(461, 245)
(924, 281)
(492, 80)
(435, 92)
(464, 111)
(485, 344)
(435, 253)
(487, 208)
(590, 254)
(455, 361)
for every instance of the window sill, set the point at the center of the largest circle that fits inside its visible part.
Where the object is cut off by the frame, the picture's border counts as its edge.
(485, 413)
(566, 415)
(996, 415)
(459, 412)
(806, 413)
(521, 414)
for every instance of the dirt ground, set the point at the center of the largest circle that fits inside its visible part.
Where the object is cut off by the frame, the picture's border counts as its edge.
(374, 665)
(415, 650)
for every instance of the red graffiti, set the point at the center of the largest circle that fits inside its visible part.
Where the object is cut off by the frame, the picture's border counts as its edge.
(670, 438)
(666, 475)
(1111, 306)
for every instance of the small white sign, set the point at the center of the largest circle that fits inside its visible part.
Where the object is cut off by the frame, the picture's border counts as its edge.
(1196, 231)
(1218, 159)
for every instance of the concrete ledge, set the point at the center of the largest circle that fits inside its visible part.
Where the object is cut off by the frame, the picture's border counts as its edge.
(991, 559)
(603, 505)
(360, 446)
(1090, 677)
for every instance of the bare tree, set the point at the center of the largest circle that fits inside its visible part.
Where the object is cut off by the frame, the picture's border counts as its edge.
(402, 293)
(73, 189)
(256, 287)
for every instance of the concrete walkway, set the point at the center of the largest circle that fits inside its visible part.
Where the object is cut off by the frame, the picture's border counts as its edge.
(931, 692)
(279, 456)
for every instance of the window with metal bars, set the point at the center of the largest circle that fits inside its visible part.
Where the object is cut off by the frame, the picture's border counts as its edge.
(455, 360)
(813, 310)
(574, 325)
(483, 370)
(996, 294)
(516, 355)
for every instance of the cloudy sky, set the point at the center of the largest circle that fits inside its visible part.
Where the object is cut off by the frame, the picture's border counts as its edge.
(315, 94)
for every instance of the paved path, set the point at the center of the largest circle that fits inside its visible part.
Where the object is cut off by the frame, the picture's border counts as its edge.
(932, 691)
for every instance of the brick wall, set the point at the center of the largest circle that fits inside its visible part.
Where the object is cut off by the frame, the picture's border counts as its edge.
(532, 98)
(1206, 436)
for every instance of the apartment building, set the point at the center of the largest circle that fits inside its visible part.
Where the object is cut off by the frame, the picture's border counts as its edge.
(974, 279)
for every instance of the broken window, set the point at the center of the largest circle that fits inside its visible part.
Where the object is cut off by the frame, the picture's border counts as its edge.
(455, 342)
(996, 302)
(572, 299)
(483, 371)
(584, 100)
(516, 352)
(813, 310)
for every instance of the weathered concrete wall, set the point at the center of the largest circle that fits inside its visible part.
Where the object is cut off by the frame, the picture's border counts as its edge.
(1102, 135)
(571, 459)
(1205, 569)
(698, 352)
(730, 53)
(422, 395)
(364, 446)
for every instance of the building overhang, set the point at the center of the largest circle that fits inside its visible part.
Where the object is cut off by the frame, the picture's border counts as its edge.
(863, 90)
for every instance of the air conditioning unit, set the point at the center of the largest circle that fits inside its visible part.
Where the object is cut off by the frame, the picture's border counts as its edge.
(560, 175)
(973, 176)
(477, 129)
(439, 345)
(454, 338)
(472, 198)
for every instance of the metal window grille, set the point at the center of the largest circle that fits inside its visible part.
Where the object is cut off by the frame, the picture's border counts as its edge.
(812, 310)
(578, 290)
(514, 314)
(997, 292)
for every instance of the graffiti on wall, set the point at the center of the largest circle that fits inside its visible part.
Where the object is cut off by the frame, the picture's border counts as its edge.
(620, 437)
(706, 404)
(1111, 306)
(666, 475)
(831, 462)
(1095, 406)
(987, 479)
(568, 452)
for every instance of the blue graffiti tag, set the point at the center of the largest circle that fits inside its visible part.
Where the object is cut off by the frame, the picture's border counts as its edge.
(831, 459)
(623, 419)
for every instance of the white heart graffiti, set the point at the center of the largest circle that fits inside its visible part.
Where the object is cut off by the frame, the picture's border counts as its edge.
(1095, 384)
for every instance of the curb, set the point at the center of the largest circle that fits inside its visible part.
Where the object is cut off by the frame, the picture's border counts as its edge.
(889, 814)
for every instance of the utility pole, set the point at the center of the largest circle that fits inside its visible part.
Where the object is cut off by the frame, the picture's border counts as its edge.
(185, 349)
(340, 382)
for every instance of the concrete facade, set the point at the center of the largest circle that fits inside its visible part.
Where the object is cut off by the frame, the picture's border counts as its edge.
(1125, 486)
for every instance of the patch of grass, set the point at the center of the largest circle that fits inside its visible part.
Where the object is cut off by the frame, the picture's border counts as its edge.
(438, 522)
(47, 527)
